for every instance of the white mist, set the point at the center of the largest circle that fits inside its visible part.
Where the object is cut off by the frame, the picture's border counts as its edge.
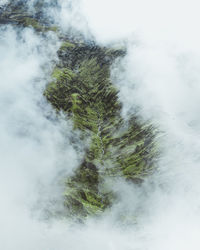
(160, 76)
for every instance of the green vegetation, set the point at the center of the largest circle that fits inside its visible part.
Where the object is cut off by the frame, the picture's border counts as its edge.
(32, 22)
(27, 21)
(66, 45)
(81, 87)
(18, 13)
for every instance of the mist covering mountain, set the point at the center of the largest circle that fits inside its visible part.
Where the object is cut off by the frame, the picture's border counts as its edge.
(99, 126)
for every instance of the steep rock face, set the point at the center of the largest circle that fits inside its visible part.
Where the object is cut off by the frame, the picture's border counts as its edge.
(82, 89)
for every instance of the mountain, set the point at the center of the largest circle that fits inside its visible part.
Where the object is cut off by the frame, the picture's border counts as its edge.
(82, 89)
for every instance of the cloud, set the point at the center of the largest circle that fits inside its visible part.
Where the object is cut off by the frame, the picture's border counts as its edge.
(3, 2)
(159, 76)
(34, 149)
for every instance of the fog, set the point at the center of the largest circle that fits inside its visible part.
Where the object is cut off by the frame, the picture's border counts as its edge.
(34, 149)
(159, 76)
